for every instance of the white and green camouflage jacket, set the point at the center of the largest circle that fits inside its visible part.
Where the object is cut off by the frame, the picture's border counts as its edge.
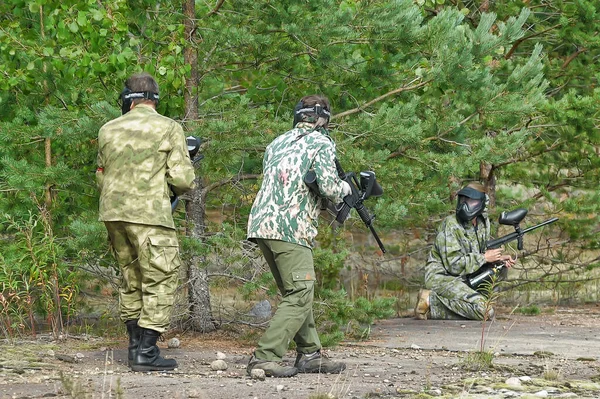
(285, 209)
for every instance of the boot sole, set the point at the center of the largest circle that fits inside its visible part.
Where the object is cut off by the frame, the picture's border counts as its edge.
(334, 371)
(151, 368)
(284, 375)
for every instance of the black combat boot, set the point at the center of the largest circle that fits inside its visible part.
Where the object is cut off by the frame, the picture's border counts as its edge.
(147, 356)
(135, 335)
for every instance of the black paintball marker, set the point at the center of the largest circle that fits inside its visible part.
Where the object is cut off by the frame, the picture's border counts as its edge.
(490, 272)
(193, 145)
(368, 188)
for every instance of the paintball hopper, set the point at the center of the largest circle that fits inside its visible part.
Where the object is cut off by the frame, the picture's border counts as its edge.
(512, 218)
(369, 185)
(193, 146)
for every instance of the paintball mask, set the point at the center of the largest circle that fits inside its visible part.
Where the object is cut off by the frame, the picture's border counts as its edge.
(470, 204)
(127, 96)
(313, 114)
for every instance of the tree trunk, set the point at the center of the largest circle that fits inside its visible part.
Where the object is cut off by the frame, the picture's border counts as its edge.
(488, 177)
(198, 293)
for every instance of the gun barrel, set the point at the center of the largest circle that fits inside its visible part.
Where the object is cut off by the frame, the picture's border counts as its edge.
(513, 236)
(545, 222)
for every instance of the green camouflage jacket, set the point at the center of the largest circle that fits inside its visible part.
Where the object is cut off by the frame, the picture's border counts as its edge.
(140, 155)
(284, 208)
(458, 249)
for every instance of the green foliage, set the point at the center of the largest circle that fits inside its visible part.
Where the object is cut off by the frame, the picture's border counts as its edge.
(478, 360)
(337, 317)
(530, 310)
(427, 94)
(34, 278)
(328, 265)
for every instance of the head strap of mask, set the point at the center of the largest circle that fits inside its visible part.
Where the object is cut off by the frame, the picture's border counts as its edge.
(464, 212)
(310, 114)
(127, 97)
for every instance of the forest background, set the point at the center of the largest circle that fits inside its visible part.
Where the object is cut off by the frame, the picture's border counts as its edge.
(427, 94)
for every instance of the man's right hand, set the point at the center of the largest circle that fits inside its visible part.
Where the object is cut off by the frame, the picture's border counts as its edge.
(346, 189)
(493, 255)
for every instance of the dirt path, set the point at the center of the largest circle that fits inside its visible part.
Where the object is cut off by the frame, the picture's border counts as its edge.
(553, 355)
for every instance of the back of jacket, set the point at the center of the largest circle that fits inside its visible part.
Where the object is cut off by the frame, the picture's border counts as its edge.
(139, 155)
(284, 208)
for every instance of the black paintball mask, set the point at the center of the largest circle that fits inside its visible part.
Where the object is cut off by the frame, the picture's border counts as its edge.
(314, 114)
(470, 204)
(127, 96)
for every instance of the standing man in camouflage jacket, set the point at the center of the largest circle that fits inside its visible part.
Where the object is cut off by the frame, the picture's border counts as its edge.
(142, 156)
(283, 222)
(458, 250)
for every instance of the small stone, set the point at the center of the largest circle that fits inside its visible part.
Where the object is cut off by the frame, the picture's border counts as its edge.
(279, 388)
(513, 382)
(541, 394)
(415, 346)
(258, 374)
(173, 343)
(525, 378)
(221, 356)
(218, 365)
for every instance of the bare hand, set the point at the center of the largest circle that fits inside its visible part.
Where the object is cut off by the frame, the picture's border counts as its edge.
(508, 260)
(493, 255)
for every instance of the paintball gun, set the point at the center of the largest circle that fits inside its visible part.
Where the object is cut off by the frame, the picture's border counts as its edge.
(361, 190)
(193, 145)
(489, 272)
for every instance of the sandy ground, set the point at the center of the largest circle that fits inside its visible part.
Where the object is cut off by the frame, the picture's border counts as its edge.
(550, 355)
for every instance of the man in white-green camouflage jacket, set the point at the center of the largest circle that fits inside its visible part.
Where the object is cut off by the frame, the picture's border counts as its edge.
(459, 249)
(283, 222)
(142, 156)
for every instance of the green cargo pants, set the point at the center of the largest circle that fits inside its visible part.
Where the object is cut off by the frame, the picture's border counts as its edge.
(149, 260)
(293, 269)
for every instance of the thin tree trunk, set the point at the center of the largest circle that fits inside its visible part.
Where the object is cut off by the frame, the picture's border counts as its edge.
(47, 141)
(198, 289)
(48, 157)
(488, 177)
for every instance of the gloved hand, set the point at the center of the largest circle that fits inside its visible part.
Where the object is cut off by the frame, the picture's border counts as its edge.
(346, 189)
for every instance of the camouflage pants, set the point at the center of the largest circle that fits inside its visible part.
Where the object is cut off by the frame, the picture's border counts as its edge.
(451, 298)
(293, 270)
(148, 257)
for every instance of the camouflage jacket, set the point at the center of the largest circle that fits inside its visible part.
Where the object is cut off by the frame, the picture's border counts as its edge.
(284, 208)
(140, 155)
(458, 249)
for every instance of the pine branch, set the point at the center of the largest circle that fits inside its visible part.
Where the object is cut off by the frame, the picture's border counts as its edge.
(232, 276)
(468, 118)
(232, 179)
(216, 9)
(521, 40)
(382, 97)
(572, 57)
